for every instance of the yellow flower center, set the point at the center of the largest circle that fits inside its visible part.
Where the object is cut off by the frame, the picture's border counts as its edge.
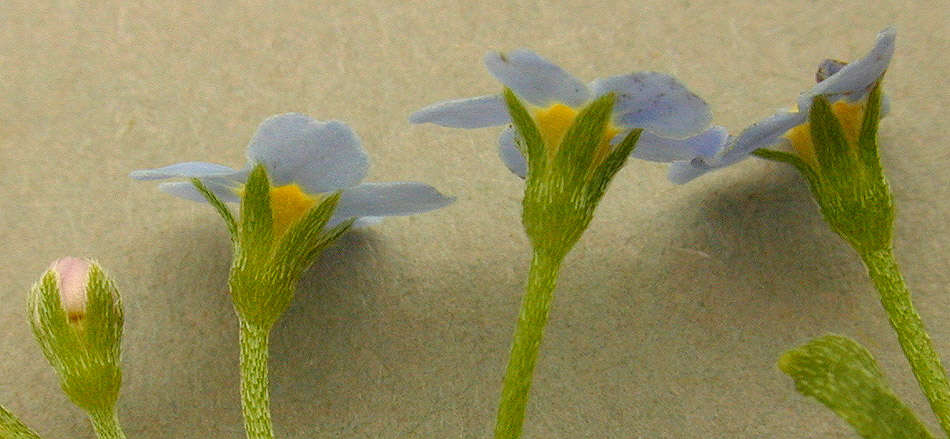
(288, 204)
(849, 115)
(553, 123)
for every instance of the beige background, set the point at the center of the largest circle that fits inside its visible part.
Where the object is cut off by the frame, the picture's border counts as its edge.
(671, 311)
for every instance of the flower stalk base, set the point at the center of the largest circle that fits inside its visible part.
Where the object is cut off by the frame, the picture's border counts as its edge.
(106, 424)
(532, 319)
(255, 398)
(913, 338)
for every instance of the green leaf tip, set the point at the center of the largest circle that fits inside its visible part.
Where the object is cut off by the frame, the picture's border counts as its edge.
(577, 153)
(13, 428)
(835, 157)
(257, 221)
(531, 144)
(301, 245)
(842, 375)
(867, 138)
(219, 206)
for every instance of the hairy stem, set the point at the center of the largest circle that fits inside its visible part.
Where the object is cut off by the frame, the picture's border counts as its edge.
(255, 399)
(532, 318)
(913, 338)
(106, 424)
(12, 428)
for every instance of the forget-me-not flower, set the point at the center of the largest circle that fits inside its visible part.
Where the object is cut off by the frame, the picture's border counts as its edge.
(568, 140)
(306, 160)
(299, 192)
(672, 117)
(846, 86)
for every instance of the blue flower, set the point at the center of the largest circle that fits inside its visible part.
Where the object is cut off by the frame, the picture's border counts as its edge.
(846, 87)
(306, 160)
(673, 118)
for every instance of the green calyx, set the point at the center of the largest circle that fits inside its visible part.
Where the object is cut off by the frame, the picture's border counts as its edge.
(846, 177)
(84, 353)
(842, 375)
(267, 265)
(563, 188)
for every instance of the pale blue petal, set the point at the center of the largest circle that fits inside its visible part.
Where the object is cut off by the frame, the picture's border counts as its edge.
(480, 112)
(682, 172)
(656, 102)
(854, 80)
(837, 80)
(535, 79)
(365, 221)
(510, 154)
(188, 191)
(318, 156)
(183, 170)
(762, 134)
(663, 149)
(389, 199)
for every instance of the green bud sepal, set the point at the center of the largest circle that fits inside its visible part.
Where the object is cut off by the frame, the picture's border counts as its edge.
(267, 265)
(846, 178)
(82, 343)
(564, 186)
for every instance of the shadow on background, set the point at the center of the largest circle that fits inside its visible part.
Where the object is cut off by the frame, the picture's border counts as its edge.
(730, 278)
(180, 338)
(759, 254)
(185, 316)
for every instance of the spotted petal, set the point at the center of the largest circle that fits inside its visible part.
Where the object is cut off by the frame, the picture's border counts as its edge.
(663, 149)
(318, 156)
(762, 134)
(389, 199)
(535, 79)
(184, 170)
(656, 102)
(480, 112)
(682, 172)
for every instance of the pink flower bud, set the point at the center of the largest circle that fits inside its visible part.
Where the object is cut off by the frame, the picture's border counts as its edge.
(72, 276)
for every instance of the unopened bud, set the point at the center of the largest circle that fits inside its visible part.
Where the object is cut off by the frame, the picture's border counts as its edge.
(72, 275)
(77, 319)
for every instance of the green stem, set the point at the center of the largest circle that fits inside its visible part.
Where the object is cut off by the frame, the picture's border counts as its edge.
(911, 334)
(12, 428)
(532, 318)
(255, 399)
(106, 424)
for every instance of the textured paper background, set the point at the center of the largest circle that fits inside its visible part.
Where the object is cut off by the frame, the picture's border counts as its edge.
(671, 311)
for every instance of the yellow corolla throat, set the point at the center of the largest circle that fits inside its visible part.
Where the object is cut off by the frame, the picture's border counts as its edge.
(288, 204)
(849, 115)
(553, 123)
